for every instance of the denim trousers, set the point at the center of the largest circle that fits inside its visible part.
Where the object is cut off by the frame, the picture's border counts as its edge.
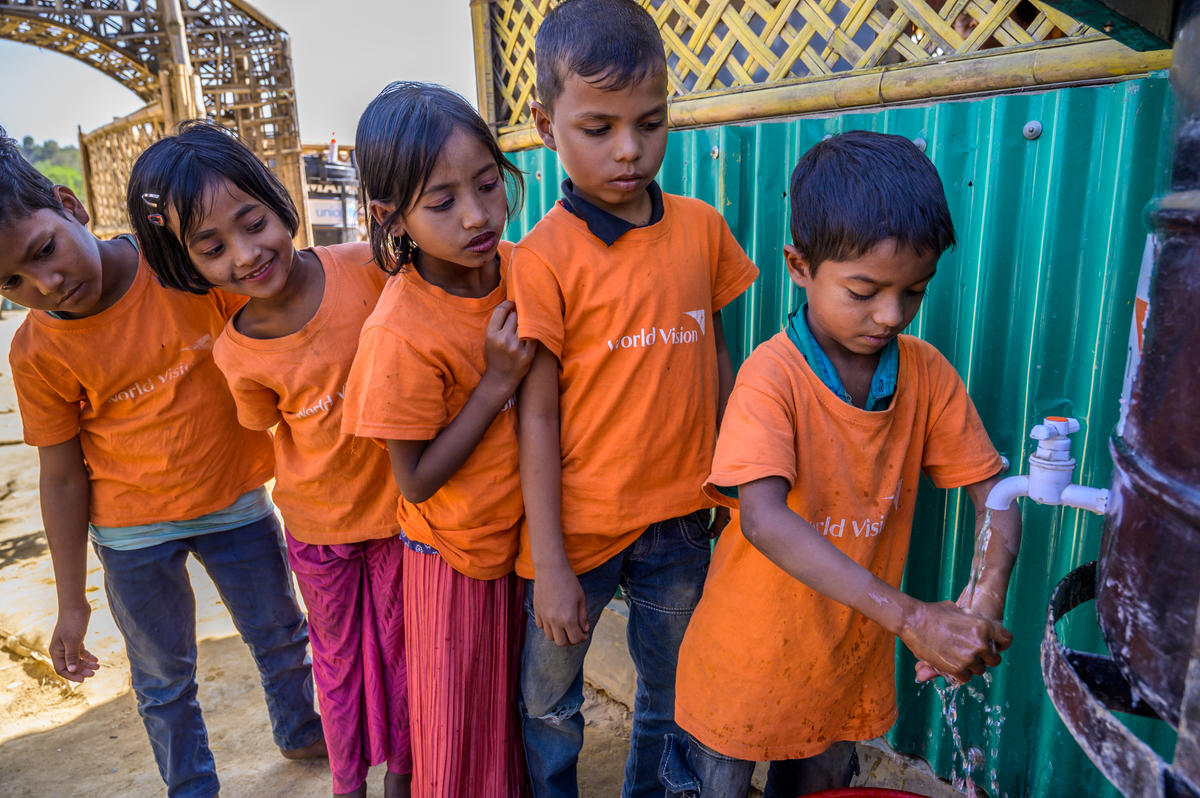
(660, 575)
(151, 599)
(691, 769)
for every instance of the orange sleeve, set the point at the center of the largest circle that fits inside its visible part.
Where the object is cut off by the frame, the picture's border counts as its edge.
(957, 448)
(539, 299)
(757, 438)
(257, 406)
(227, 303)
(394, 391)
(48, 399)
(733, 271)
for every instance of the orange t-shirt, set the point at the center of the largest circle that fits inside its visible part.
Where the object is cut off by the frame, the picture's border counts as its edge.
(420, 356)
(769, 668)
(138, 385)
(329, 486)
(631, 326)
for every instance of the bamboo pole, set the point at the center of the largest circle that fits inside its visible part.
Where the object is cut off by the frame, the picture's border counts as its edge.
(1035, 67)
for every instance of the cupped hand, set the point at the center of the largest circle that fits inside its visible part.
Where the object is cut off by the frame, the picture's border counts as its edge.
(71, 660)
(950, 641)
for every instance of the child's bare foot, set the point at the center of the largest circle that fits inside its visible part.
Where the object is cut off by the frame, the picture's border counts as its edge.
(397, 785)
(311, 751)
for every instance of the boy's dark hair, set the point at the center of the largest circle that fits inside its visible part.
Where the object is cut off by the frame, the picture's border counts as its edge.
(615, 41)
(173, 174)
(23, 189)
(858, 188)
(399, 138)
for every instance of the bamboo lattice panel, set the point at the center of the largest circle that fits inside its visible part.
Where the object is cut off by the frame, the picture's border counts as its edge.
(714, 45)
(242, 60)
(108, 155)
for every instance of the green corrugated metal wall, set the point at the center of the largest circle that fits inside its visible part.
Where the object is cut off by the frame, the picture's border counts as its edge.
(1033, 309)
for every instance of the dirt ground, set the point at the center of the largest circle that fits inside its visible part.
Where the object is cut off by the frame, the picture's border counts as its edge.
(56, 739)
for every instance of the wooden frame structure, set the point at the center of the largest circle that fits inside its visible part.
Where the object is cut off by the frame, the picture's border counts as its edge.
(220, 59)
(738, 60)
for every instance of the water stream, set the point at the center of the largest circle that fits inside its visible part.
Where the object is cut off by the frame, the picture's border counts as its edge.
(968, 765)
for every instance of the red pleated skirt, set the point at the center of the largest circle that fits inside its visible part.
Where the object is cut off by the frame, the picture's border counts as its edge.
(463, 648)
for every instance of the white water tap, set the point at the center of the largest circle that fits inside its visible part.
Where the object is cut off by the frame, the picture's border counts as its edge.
(1050, 470)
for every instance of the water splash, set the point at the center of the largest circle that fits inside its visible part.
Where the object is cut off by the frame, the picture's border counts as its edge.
(969, 764)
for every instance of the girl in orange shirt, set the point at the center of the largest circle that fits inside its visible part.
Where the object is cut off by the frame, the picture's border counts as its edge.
(437, 366)
(210, 214)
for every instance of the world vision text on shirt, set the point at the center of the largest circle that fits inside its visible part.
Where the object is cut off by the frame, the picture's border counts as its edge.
(620, 317)
(330, 487)
(853, 474)
(661, 335)
(137, 383)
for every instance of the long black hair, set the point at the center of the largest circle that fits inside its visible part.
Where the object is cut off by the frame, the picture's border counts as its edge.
(399, 138)
(174, 173)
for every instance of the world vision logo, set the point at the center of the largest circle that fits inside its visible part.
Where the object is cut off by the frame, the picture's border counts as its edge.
(683, 334)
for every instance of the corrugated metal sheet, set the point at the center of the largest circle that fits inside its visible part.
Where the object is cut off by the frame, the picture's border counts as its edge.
(1033, 308)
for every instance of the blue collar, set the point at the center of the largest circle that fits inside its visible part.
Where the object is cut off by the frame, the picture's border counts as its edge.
(883, 384)
(603, 225)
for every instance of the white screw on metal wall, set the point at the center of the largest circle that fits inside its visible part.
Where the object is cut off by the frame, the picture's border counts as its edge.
(921, 143)
(1032, 129)
(716, 152)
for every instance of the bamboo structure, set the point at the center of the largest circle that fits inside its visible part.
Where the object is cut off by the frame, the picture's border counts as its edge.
(740, 60)
(219, 59)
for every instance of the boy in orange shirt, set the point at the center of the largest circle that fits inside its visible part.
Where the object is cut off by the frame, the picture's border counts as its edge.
(621, 286)
(825, 437)
(140, 450)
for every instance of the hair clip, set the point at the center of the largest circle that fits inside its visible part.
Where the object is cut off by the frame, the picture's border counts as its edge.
(156, 219)
(151, 201)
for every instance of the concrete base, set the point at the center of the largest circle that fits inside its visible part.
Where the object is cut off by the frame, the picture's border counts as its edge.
(608, 668)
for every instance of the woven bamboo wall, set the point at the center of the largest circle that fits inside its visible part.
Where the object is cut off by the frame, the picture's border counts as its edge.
(724, 47)
(108, 154)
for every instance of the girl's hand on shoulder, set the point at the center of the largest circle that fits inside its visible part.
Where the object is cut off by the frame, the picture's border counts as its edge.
(508, 357)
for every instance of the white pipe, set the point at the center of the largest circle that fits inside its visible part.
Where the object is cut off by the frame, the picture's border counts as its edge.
(1093, 499)
(1006, 491)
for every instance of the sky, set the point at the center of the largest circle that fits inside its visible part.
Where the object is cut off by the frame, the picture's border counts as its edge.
(340, 61)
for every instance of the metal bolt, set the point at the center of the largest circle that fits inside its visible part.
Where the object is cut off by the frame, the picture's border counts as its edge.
(1032, 129)
(921, 143)
(537, 175)
(827, 137)
(716, 152)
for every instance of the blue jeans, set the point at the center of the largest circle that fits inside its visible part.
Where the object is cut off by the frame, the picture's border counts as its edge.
(661, 575)
(691, 769)
(153, 604)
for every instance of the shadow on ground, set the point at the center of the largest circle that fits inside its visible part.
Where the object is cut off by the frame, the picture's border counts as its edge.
(23, 547)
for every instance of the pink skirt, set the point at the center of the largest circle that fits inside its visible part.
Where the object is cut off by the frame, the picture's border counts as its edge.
(463, 650)
(356, 627)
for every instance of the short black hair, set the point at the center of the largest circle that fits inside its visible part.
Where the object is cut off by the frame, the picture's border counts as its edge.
(615, 41)
(396, 147)
(174, 173)
(23, 189)
(858, 188)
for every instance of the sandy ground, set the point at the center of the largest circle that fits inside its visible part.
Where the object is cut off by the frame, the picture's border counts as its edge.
(56, 739)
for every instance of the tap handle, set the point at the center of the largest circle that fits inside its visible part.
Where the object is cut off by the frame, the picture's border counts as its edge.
(1054, 427)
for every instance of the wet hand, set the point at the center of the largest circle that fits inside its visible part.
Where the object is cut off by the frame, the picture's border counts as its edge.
(953, 642)
(560, 606)
(981, 600)
(71, 660)
(508, 357)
